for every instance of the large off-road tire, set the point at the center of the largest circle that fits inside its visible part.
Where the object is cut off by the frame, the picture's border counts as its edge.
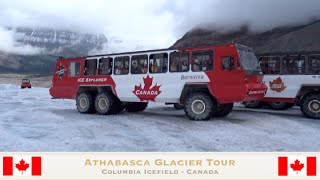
(290, 105)
(278, 105)
(136, 106)
(118, 107)
(252, 104)
(200, 106)
(310, 106)
(178, 106)
(104, 103)
(223, 110)
(85, 102)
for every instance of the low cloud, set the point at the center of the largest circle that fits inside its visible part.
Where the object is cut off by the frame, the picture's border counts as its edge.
(261, 15)
(9, 45)
(152, 24)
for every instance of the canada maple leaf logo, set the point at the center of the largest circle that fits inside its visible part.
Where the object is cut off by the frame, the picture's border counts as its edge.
(147, 93)
(22, 166)
(277, 85)
(297, 166)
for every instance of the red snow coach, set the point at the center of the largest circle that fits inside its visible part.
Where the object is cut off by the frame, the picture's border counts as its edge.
(205, 80)
(25, 83)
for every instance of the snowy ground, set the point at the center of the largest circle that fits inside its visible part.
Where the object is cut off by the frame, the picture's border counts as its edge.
(31, 121)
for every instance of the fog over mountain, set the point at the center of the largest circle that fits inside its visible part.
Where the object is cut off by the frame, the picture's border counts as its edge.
(225, 15)
(284, 39)
(34, 30)
(154, 24)
(34, 50)
(30, 41)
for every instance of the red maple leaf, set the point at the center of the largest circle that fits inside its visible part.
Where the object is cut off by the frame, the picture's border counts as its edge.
(147, 93)
(22, 166)
(296, 166)
(277, 85)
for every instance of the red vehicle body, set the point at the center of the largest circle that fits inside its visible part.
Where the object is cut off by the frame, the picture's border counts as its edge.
(210, 78)
(25, 83)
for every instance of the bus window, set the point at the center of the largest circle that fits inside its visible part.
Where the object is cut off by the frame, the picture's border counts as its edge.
(227, 63)
(139, 64)
(105, 66)
(179, 62)
(74, 69)
(121, 65)
(202, 60)
(294, 65)
(158, 63)
(270, 65)
(314, 65)
(90, 67)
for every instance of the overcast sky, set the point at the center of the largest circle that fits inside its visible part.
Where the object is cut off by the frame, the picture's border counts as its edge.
(154, 23)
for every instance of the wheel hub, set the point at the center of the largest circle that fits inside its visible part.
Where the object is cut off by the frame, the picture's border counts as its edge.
(83, 103)
(102, 103)
(314, 106)
(198, 106)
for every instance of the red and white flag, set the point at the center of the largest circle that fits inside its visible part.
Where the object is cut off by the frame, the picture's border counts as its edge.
(21, 166)
(297, 166)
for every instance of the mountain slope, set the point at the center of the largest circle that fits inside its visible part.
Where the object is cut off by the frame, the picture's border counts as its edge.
(52, 39)
(281, 39)
(52, 43)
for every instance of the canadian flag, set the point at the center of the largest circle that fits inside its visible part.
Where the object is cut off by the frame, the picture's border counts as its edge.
(297, 166)
(21, 166)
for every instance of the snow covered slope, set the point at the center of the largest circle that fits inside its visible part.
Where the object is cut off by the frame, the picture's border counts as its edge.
(31, 121)
(58, 39)
(35, 50)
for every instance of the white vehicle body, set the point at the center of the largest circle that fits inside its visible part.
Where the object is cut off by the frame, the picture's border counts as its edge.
(288, 86)
(291, 78)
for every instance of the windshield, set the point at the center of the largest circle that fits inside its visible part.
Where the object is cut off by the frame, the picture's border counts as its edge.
(249, 62)
(25, 80)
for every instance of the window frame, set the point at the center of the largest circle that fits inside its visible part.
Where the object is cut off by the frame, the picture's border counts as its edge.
(74, 62)
(131, 61)
(178, 66)
(233, 63)
(308, 65)
(202, 51)
(280, 64)
(96, 67)
(283, 65)
(163, 58)
(123, 60)
(111, 66)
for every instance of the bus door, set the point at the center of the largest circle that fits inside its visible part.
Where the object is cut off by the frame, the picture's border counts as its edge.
(66, 76)
(230, 77)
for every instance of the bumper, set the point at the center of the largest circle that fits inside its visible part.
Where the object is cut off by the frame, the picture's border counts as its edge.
(255, 92)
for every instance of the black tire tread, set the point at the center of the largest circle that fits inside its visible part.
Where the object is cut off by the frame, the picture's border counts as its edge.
(210, 104)
(118, 107)
(111, 103)
(89, 96)
(304, 106)
(178, 106)
(283, 106)
(257, 106)
(225, 110)
(136, 106)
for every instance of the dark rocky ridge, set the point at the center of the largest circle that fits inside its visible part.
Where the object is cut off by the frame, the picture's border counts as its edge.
(281, 39)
